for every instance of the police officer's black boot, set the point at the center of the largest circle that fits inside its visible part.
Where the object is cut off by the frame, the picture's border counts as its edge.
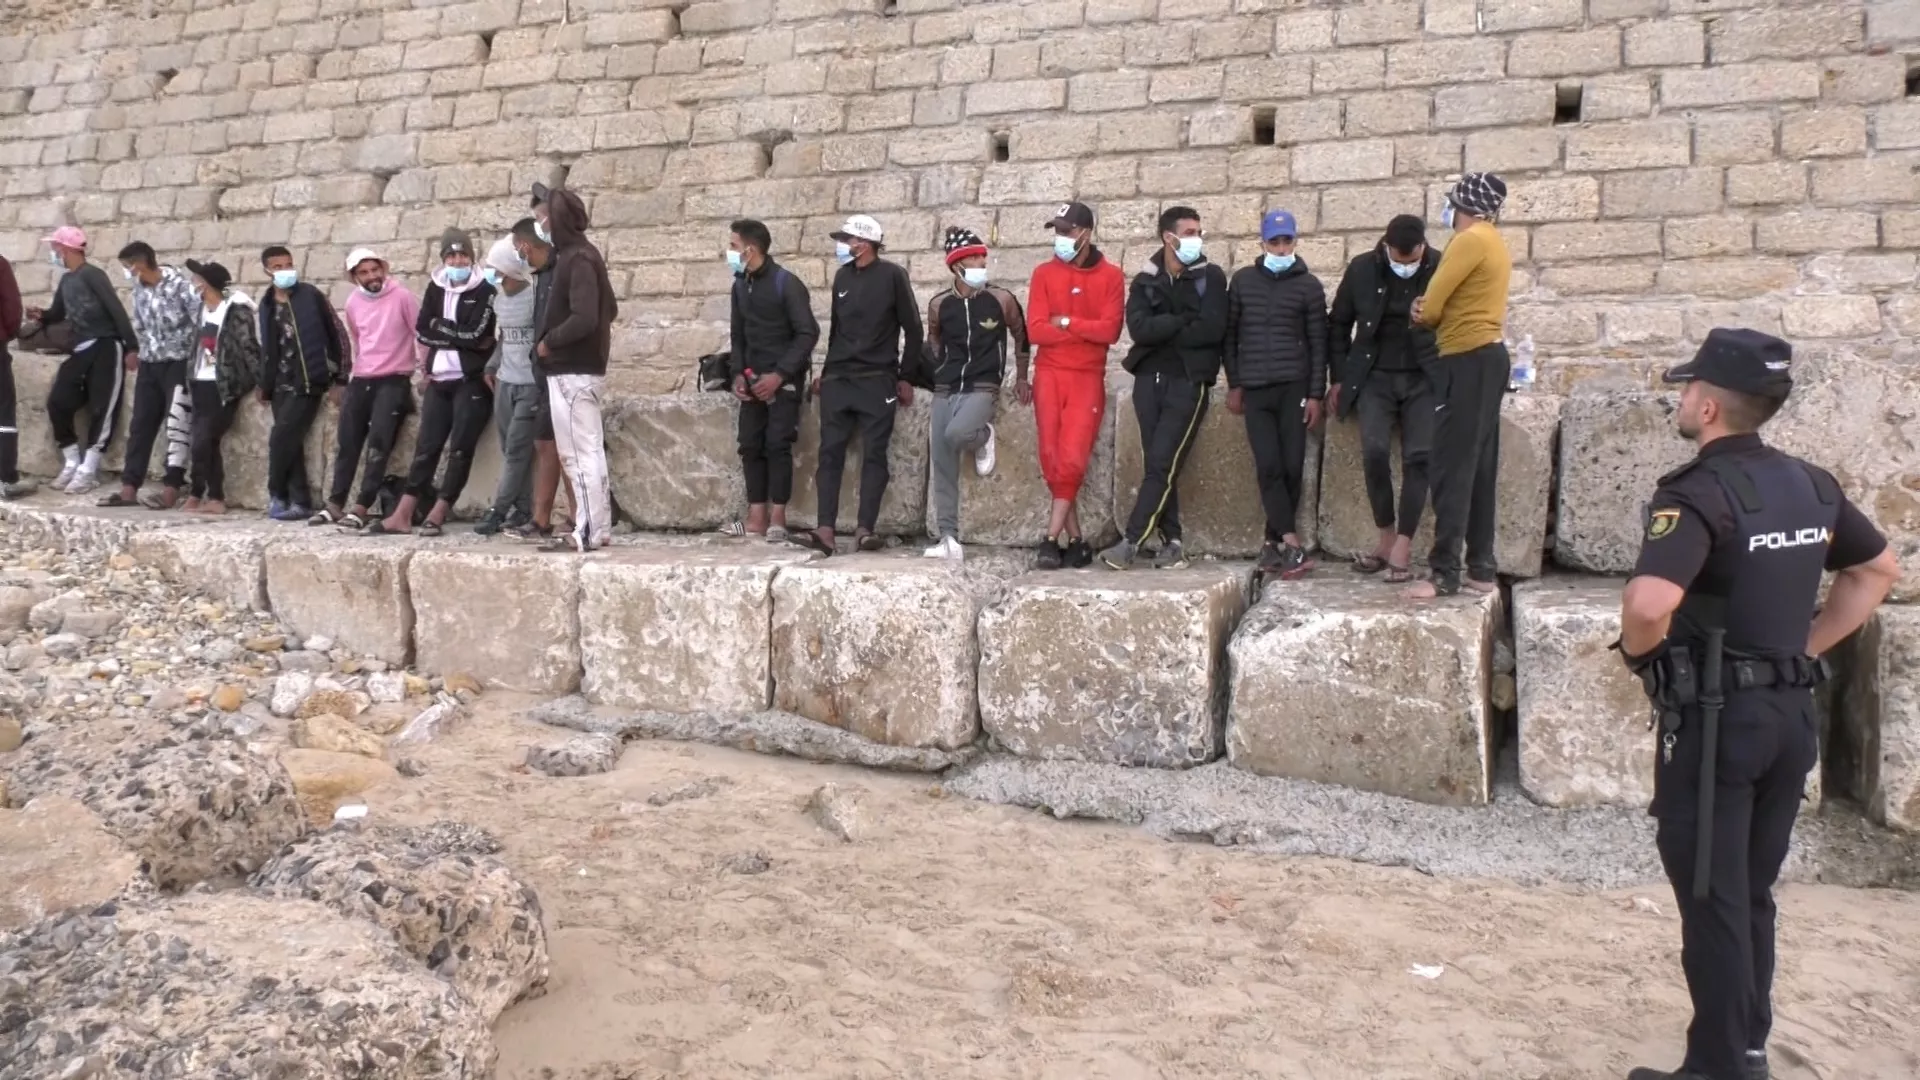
(1757, 1066)
(1661, 1074)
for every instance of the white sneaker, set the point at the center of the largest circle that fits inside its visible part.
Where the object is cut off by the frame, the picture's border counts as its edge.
(983, 457)
(66, 475)
(84, 480)
(947, 548)
(938, 550)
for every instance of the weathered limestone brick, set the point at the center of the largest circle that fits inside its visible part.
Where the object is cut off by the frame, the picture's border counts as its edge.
(1327, 163)
(1666, 43)
(1552, 243)
(1739, 84)
(1349, 69)
(1492, 104)
(1374, 24)
(1863, 80)
(1805, 232)
(1643, 144)
(1830, 316)
(1883, 179)
(1662, 192)
(1498, 16)
(1693, 238)
(1572, 198)
(1784, 33)
(1556, 53)
(1303, 31)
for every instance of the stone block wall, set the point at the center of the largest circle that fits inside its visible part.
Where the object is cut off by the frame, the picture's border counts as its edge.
(1673, 165)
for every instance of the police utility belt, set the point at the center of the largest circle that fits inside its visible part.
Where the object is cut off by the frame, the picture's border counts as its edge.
(1673, 680)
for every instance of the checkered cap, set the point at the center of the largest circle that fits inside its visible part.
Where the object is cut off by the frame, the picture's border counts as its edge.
(962, 243)
(1479, 194)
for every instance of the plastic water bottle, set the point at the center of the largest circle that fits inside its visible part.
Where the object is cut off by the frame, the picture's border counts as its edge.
(1523, 372)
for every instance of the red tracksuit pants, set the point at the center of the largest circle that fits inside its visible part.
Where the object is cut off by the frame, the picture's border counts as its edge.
(1067, 409)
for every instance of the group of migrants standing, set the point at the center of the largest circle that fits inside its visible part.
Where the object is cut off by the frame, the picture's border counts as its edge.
(1399, 310)
(1718, 619)
(520, 335)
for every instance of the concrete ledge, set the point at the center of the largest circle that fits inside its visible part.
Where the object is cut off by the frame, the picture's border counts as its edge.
(903, 508)
(509, 618)
(1343, 682)
(1220, 511)
(1125, 668)
(1614, 448)
(351, 590)
(228, 564)
(1583, 716)
(1876, 717)
(1011, 506)
(881, 645)
(680, 629)
(675, 460)
(73, 523)
(1529, 428)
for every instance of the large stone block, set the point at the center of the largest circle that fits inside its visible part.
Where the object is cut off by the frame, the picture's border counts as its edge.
(225, 561)
(681, 629)
(1123, 668)
(32, 382)
(881, 645)
(1876, 717)
(510, 619)
(675, 460)
(483, 476)
(1614, 447)
(1343, 682)
(1583, 716)
(243, 454)
(1011, 506)
(57, 855)
(1220, 511)
(1859, 418)
(903, 508)
(346, 588)
(1529, 425)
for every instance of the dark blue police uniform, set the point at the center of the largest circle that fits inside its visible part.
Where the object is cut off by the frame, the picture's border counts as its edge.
(1747, 531)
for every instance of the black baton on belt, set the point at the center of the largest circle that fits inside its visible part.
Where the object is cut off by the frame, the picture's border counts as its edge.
(1710, 703)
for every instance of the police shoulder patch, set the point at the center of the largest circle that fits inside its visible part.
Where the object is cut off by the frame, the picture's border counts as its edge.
(1661, 523)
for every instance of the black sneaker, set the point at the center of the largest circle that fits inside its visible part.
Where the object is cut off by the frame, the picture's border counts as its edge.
(1079, 554)
(534, 534)
(1294, 563)
(489, 523)
(1048, 557)
(515, 518)
(1171, 556)
(1271, 560)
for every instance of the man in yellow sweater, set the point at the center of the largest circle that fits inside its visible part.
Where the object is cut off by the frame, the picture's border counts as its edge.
(1466, 304)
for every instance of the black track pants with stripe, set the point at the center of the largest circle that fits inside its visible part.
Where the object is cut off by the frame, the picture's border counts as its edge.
(1170, 410)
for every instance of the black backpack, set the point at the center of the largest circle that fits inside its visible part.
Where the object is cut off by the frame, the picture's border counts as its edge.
(391, 488)
(714, 368)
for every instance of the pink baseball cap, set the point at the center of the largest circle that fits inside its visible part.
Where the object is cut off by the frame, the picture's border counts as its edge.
(69, 236)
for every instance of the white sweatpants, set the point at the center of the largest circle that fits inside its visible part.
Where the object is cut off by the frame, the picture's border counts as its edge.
(578, 435)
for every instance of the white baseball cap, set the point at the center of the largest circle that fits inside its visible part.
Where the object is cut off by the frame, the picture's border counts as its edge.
(360, 255)
(861, 227)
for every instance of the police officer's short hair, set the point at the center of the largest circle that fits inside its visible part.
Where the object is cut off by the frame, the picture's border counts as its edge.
(753, 232)
(1743, 413)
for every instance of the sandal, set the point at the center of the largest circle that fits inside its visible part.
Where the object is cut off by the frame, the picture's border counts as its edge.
(809, 539)
(776, 534)
(870, 542)
(733, 529)
(428, 530)
(1398, 575)
(376, 527)
(352, 521)
(115, 502)
(1373, 564)
(157, 501)
(326, 516)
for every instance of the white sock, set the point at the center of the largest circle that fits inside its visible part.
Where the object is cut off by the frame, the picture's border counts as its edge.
(92, 463)
(70, 455)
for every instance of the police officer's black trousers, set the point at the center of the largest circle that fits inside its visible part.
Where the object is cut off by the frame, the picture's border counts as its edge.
(867, 404)
(1468, 388)
(1768, 743)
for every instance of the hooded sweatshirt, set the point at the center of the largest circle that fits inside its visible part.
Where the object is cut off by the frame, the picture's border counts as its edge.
(456, 322)
(382, 331)
(229, 347)
(513, 313)
(84, 299)
(578, 327)
(1094, 299)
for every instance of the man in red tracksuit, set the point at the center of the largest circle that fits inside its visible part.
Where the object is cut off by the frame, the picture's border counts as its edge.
(1076, 307)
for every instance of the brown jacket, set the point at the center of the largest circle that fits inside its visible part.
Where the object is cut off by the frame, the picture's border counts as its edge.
(577, 328)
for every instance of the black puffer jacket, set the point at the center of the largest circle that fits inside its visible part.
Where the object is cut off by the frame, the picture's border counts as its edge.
(1277, 328)
(1183, 318)
(1360, 305)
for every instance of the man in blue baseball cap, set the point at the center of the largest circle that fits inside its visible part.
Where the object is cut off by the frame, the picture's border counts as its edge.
(1276, 361)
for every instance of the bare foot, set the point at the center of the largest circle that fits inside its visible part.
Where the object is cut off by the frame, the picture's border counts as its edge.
(1420, 590)
(191, 506)
(1481, 587)
(213, 506)
(396, 525)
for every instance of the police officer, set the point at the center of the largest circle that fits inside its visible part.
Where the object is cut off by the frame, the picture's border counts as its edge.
(1718, 621)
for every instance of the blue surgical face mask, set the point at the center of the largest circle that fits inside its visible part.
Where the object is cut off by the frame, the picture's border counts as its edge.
(540, 230)
(492, 276)
(1065, 247)
(842, 252)
(1404, 270)
(736, 262)
(53, 257)
(1278, 264)
(458, 275)
(975, 277)
(1188, 250)
(285, 279)
(1446, 216)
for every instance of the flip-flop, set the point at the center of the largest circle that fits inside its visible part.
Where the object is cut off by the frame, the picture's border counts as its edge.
(351, 521)
(1398, 575)
(153, 500)
(777, 534)
(115, 502)
(870, 542)
(376, 527)
(324, 517)
(428, 530)
(1371, 564)
(733, 529)
(809, 539)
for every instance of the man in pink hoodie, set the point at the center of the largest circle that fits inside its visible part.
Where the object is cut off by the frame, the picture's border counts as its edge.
(381, 315)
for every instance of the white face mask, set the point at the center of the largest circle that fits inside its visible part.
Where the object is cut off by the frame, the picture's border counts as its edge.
(1188, 250)
(128, 273)
(1404, 270)
(1065, 247)
(1446, 216)
(736, 262)
(975, 277)
(842, 252)
(53, 256)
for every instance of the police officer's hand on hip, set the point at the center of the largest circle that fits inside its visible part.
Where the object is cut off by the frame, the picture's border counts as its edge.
(1719, 623)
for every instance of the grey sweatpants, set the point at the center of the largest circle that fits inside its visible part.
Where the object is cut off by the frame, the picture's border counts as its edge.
(959, 428)
(516, 413)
